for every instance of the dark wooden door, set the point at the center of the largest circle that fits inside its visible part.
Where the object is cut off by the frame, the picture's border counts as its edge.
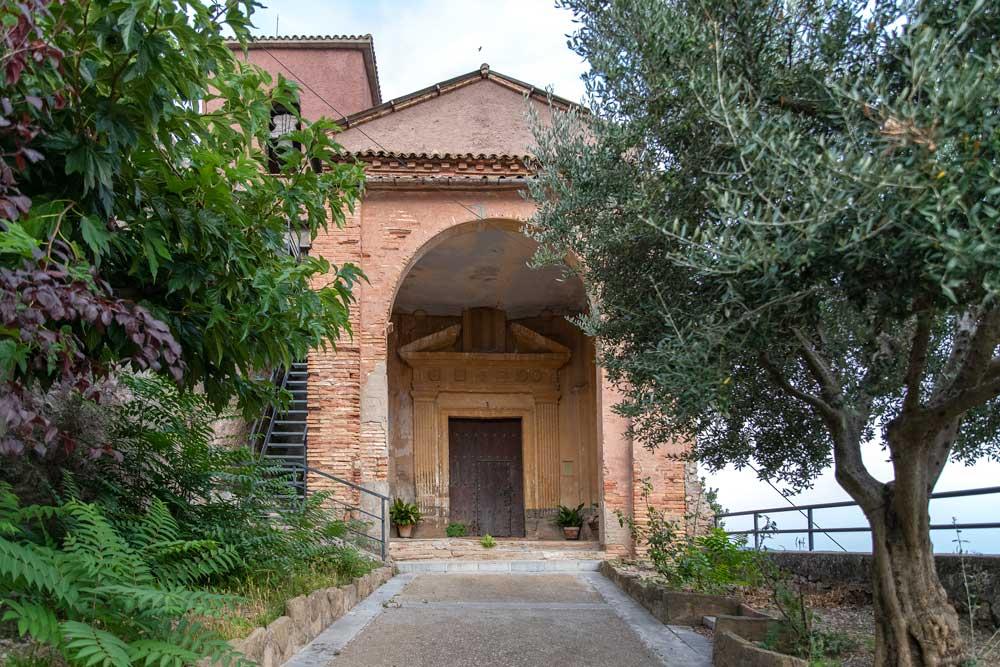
(486, 489)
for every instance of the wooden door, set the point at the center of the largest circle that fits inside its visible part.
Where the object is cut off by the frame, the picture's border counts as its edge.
(486, 489)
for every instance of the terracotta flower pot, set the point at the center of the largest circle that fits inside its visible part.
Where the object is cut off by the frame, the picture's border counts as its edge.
(571, 532)
(405, 531)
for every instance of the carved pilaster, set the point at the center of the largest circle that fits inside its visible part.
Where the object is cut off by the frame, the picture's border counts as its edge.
(426, 458)
(547, 445)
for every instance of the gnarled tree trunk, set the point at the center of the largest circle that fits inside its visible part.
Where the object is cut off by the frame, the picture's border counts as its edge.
(915, 624)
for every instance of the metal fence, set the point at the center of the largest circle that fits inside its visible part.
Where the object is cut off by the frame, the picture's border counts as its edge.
(760, 533)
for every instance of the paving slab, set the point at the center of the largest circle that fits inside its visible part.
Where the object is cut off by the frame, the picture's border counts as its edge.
(505, 619)
(452, 565)
(495, 588)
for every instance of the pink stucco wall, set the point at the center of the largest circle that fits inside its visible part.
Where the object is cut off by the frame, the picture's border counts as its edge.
(481, 117)
(337, 76)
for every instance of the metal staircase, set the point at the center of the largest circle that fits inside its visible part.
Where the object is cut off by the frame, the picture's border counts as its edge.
(280, 439)
(280, 436)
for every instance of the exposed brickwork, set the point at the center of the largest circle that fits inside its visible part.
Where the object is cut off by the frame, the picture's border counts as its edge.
(414, 201)
(666, 472)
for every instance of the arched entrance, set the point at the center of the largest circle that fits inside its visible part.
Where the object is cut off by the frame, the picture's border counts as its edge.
(493, 412)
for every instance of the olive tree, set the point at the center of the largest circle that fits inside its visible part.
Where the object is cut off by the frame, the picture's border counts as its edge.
(788, 215)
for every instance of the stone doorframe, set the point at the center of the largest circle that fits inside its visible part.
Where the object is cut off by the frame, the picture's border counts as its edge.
(485, 386)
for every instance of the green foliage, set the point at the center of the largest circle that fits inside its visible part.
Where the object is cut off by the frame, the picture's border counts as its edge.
(98, 596)
(791, 224)
(263, 594)
(569, 517)
(799, 634)
(488, 541)
(149, 167)
(790, 219)
(219, 493)
(709, 562)
(403, 513)
(455, 529)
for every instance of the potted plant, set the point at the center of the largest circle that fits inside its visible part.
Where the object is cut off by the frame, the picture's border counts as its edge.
(405, 515)
(594, 521)
(570, 520)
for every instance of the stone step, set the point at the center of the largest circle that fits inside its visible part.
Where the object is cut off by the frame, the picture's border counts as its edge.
(708, 622)
(461, 565)
(505, 550)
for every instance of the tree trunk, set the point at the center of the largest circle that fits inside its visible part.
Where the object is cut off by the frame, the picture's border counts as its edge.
(915, 624)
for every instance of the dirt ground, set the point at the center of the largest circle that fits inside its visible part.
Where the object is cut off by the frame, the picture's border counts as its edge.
(848, 612)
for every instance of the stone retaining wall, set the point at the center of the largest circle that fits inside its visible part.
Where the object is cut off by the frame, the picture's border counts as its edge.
(305, 617)
(854, 569)
(738, 628)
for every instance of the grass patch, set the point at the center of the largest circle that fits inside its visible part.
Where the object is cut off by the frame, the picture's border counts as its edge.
(263, 597)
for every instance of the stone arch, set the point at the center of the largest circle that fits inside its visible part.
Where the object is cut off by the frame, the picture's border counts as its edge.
(558, 416)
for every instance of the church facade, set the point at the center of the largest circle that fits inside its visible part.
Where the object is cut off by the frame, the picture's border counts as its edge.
(466, 387)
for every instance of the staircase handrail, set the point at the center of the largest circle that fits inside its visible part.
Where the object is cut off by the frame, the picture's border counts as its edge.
(271, 413)
(383, 501)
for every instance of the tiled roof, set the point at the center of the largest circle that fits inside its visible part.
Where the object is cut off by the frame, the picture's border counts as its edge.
(398, 180)
(439, 156)
(312, 38)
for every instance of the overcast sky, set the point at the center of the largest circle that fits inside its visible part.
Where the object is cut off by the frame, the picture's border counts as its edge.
(421, 42)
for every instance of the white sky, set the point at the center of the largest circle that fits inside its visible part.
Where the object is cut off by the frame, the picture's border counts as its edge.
(418, 43)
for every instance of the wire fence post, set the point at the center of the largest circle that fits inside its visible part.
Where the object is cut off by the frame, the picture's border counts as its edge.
(756, 532)
(809, 518)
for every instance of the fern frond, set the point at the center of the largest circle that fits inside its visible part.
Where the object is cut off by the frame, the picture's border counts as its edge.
(100, 550)
(32, 619)
(161, 653)
(91, 647)
(171, 602)
(158, 525)
(188, 561)
(32, 567)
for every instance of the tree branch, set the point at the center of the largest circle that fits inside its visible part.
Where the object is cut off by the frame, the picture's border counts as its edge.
(850, 471)
(968, 399)
(777, 377)
(971, 355)
(918, 361)
(829, 385)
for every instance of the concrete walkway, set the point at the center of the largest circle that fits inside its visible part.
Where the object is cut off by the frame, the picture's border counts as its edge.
(502, 619)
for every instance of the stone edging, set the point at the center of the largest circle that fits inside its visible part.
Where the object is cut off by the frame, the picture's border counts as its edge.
(672, 607)
(305, 617)
(737, 626)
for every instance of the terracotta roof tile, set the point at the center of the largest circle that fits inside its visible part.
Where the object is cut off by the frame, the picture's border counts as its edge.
(439, 156)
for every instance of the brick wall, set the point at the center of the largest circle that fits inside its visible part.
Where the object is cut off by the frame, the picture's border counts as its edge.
(348, 388)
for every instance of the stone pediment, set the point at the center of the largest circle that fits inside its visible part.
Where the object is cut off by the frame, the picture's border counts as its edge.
(436, 367)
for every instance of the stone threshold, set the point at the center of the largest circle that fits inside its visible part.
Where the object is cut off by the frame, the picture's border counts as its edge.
(519, 566)
(466, 549)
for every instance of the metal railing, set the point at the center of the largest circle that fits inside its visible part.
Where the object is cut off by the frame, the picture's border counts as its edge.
(260, 432)
(761, 533)
(352, 513)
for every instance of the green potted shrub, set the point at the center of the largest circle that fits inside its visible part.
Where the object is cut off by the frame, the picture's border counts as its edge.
(405, 515)
(570, 520)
